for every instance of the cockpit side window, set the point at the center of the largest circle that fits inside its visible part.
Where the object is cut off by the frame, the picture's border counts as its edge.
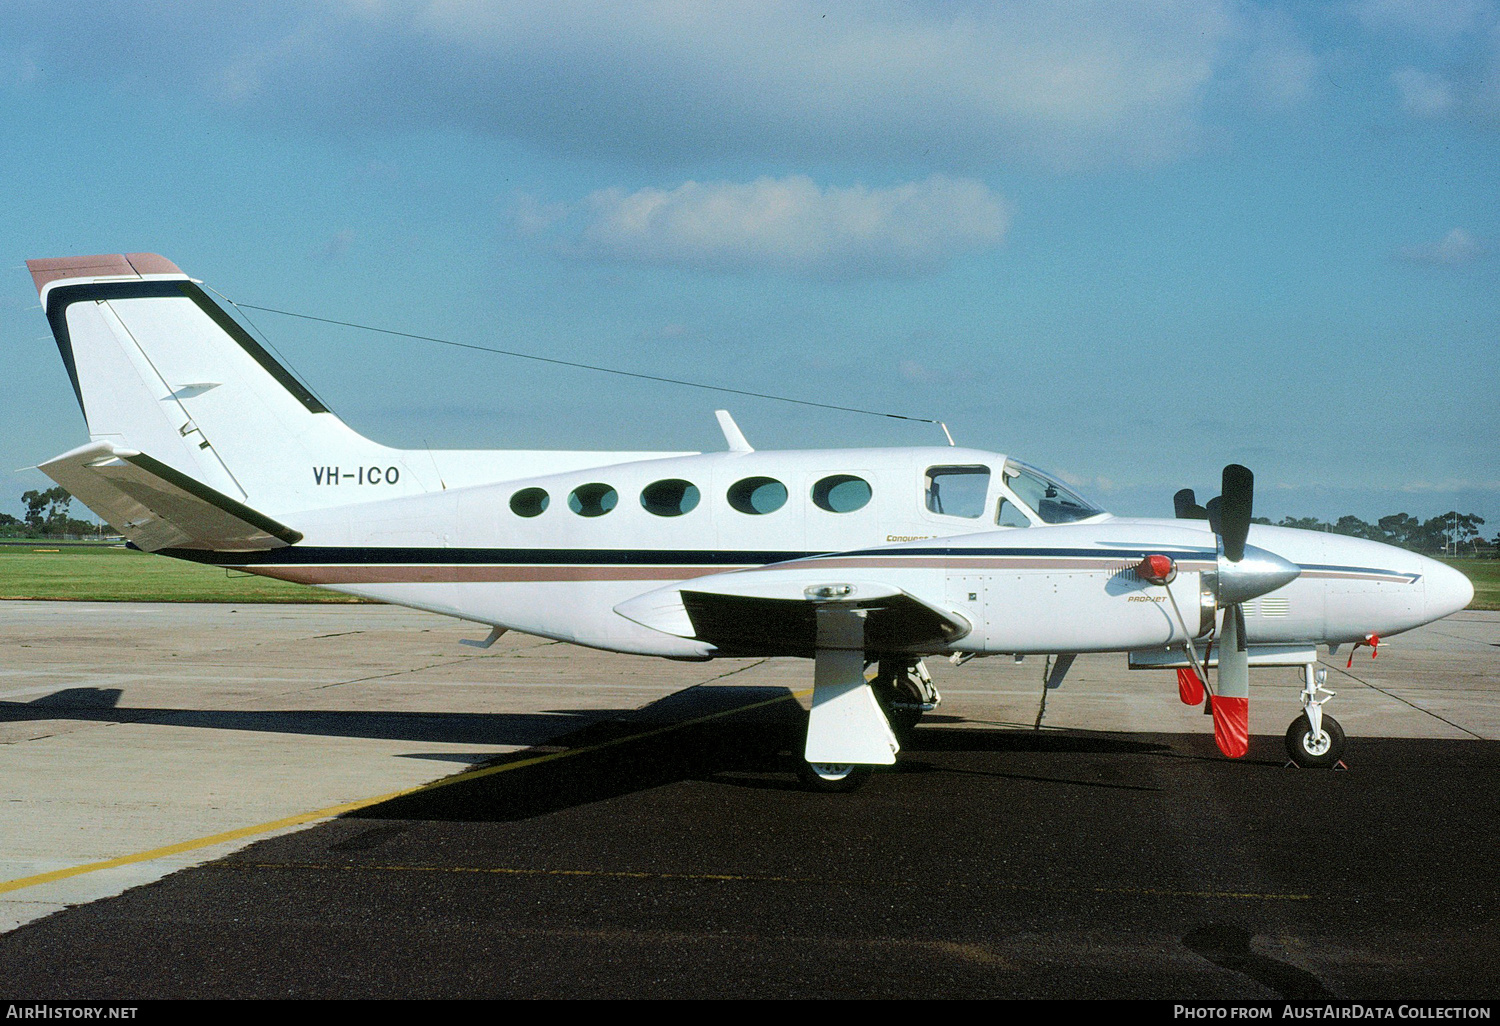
(1052, 501)
(958, 491)
(1008, 515)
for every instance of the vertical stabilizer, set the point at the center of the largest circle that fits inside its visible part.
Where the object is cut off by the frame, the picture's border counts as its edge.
(161, 368)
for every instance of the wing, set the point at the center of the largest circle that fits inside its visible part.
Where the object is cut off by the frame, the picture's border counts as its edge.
(157, 507)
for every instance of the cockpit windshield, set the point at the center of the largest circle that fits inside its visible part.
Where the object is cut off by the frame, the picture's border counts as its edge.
(1053, 502)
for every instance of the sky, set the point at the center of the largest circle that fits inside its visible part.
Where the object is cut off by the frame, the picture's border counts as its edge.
(1126, 241)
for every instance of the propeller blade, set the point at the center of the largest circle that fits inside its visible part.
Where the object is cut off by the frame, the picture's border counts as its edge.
(1212, 514)
(1235, 502)
(1231, 705)
(1183, 503)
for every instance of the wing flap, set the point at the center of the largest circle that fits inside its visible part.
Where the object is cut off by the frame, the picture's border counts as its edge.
(751, 625)
(157, 507)
(774, 612)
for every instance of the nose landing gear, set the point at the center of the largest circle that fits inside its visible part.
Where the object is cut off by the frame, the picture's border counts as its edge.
(1315, 740)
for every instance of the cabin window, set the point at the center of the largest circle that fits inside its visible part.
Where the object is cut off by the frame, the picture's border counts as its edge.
(958, 491)
(670, 498)
(529, 502)
(593, 500)
(757, 495)
(841, 493)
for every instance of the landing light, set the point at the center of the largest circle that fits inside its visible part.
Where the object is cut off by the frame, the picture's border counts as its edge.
(829, 591)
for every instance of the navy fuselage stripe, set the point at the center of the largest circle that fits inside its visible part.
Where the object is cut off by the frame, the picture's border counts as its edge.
(1361, 570)
(315, 555)
(320, 555)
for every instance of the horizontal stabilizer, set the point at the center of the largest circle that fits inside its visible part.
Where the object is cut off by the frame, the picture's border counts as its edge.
(157, 507)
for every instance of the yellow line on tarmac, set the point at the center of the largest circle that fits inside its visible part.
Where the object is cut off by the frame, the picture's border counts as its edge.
(363, 803)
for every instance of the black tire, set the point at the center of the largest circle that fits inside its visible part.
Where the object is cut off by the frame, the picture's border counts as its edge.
(891, 693)
(1310, 753)
(827, 778)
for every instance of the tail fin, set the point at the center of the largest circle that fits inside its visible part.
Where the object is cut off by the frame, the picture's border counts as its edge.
(159, 367)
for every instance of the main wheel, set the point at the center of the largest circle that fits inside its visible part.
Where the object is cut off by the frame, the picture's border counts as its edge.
(1314, 752)
(901, 702)
(832, 778)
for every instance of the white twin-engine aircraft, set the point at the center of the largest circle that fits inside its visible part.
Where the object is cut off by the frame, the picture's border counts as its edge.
(205, 448)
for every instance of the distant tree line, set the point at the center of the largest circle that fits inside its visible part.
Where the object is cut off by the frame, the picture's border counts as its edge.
(48, 515)
(1454, 533)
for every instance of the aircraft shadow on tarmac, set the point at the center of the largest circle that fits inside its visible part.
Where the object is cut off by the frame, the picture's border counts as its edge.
(747, 737)
(101, 705)
(744, 737)
(749, 707)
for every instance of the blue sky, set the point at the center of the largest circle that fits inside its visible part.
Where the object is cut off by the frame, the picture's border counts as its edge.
(1129, 242)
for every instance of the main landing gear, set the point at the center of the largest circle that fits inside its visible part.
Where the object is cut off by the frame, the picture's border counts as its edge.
(1315, 740)
(833, 778)
(901, 689)
(905, 691)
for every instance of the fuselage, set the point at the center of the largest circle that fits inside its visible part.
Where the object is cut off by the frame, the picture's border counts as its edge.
(963, 530)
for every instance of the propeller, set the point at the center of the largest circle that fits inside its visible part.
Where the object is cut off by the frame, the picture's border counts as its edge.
(1242, 574)
(1185, 505)
(1232, 696)
(1235, 500)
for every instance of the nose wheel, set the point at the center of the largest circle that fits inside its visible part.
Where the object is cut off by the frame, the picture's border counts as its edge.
(1315, 740)
(1315, 751)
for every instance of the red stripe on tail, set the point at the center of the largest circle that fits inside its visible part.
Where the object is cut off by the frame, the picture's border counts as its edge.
(1232, 725)
(1189, 686)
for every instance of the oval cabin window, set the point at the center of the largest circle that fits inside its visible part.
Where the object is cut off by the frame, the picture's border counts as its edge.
(593, 500)
(529, 502)
(756, 495)
(671, 498)
(841, 493)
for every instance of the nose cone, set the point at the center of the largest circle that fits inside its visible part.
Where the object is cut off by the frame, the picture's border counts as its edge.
(1447, 589)
(1258, 573)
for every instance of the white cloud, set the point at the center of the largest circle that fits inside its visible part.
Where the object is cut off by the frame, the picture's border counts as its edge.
(791, 226)
(337, 245)
(1451, 485)
(1462, 37)
(1437, 20)
(956, 86)
(1423, 95)
(1457, 247)
(1274, 66)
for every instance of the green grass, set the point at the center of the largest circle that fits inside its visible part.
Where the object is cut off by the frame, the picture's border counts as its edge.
(1485, 574)
(104, 573)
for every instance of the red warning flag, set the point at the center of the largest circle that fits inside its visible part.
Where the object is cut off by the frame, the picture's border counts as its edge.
(1232, 725)
(1189, 686)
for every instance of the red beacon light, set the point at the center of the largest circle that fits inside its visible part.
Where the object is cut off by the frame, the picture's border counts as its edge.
(1157, 569)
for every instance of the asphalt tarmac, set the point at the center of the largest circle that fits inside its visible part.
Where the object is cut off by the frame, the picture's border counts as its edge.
(663, 849)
